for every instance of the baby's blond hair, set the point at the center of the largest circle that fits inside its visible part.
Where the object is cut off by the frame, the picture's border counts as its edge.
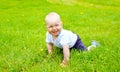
(52, 17)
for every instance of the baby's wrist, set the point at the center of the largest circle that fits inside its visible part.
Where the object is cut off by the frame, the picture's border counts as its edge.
(49, 51)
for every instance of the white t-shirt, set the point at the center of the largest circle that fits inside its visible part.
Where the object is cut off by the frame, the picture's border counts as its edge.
(65, 37)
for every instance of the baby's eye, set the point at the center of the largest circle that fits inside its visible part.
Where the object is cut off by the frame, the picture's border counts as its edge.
(57, 25)
(50, 26)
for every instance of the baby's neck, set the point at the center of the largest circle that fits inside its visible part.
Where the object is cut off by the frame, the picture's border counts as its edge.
(54, 37)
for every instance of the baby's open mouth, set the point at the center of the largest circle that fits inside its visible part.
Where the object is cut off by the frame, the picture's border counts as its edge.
(55, 32)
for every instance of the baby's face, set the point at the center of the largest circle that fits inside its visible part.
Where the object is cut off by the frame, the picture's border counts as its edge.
(54, 28)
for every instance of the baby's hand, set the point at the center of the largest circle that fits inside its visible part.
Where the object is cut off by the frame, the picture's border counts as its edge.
(49, 54)
(64, 63)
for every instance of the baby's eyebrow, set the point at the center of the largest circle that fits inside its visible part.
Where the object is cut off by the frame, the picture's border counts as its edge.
(50, 25)
(57, 23)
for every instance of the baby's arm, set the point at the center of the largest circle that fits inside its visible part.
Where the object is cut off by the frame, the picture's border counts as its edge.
(66, 53)
(49, 47)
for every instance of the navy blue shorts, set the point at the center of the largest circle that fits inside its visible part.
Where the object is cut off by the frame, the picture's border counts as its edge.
(79, 45)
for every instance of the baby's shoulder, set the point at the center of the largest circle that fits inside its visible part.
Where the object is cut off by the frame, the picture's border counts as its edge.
(66, 31)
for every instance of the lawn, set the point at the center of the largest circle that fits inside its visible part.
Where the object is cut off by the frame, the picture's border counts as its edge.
(22, 35)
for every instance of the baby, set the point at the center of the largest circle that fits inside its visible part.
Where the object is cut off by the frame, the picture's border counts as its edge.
(61, 38)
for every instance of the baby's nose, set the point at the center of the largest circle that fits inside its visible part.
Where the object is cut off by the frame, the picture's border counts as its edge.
(54, 28)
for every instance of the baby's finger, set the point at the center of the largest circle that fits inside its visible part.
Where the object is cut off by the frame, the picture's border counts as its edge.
(62, 65)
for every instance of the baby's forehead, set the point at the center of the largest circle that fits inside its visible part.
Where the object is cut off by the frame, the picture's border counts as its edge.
(52, 23)
(52, 20)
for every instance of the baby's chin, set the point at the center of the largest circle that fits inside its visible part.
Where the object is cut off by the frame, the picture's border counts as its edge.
(55, 34)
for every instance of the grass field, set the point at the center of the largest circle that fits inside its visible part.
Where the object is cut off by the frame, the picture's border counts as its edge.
(22, 35)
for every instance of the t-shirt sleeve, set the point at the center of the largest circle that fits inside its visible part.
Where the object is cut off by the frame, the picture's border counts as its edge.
(48, 38)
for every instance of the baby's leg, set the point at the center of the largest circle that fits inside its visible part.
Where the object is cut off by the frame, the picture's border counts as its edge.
(79, 45)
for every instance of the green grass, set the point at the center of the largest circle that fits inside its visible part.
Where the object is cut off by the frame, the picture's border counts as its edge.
(103, 2)
(22, 35)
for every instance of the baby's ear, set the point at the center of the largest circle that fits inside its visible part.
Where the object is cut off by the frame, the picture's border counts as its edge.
(61, 22)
